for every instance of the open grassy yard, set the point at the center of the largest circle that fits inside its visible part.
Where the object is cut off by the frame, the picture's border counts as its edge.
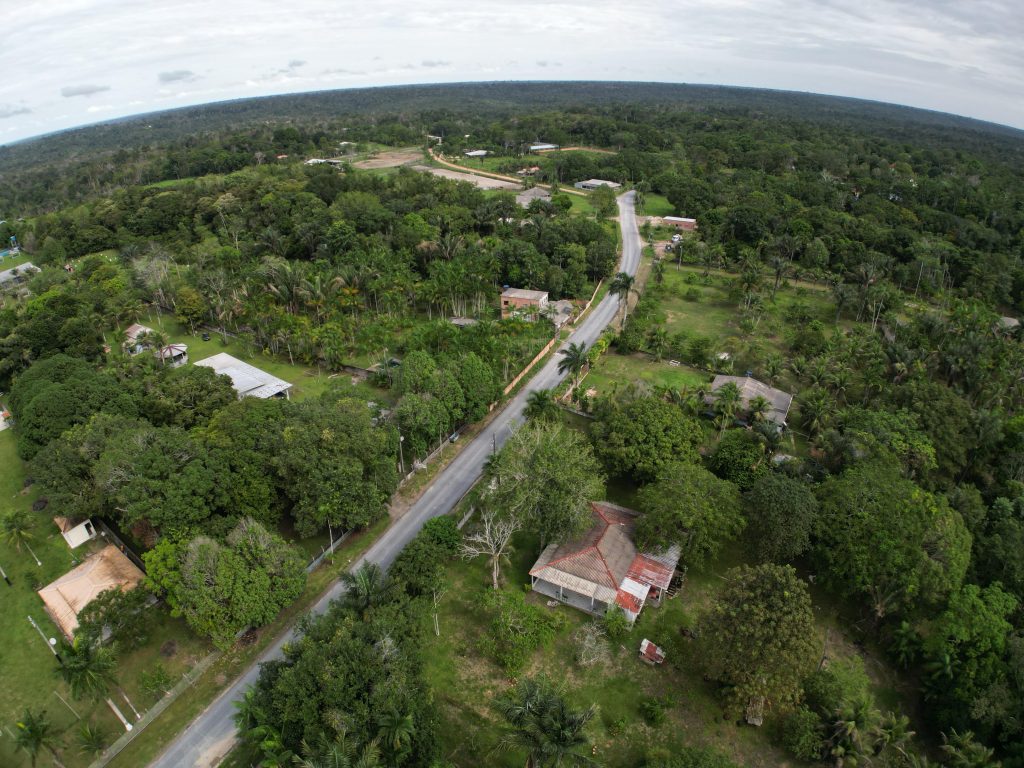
(657, 205)
(28, 669)
(702, 306)
(308, 382)
(615, 372)
(464, 680)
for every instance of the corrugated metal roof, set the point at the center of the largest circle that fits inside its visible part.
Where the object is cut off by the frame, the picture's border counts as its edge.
(248, 380)
(604, 562)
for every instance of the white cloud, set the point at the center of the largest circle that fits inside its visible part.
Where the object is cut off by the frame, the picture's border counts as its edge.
(939, 54)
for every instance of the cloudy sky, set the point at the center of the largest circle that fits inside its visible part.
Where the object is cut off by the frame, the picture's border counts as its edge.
(65, 63)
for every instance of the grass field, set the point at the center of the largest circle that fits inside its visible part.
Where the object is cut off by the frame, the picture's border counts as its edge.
(702, 306)
(657, 205)
(615, 372)
(464, 681)
(308, 382)
(28, 669)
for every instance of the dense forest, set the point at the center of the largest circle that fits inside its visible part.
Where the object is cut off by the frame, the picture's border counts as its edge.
(903, 496)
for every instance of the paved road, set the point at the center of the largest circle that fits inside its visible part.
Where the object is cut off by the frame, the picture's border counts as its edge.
(212, 734)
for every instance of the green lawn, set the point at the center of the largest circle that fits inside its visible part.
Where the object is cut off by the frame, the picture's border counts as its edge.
(702, 306)
(10, 262)
(464, 681)
(27, 667)
(657, 205)
(308, 382)
(614, 372)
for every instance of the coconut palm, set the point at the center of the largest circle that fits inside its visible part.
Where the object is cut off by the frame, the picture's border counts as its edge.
(574, 357)
(88, 667)
(16, 526)
(622, 285)
(339, 753)
(759, 408)
(365, 587)
(33, 732)
(91, 739)
(540, 406)
(396, 731)
(541, 722)
(962, 751)
(727, 402)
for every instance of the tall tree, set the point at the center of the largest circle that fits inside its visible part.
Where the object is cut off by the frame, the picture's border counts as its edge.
(690, 507)
(89, 667)
(542, 723)
(758, 636)
(545, 476)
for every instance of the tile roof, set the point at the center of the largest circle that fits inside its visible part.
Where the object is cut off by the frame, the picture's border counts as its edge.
(67, 596)
(604, 562)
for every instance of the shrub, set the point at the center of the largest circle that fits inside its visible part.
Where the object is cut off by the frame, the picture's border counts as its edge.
(517, 629)
(652, 709)
(616, 625)
(692, 294)
(802, 734)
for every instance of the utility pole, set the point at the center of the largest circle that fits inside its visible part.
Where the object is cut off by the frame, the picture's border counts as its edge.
(401, 457)
(4, 574)
(65, 703)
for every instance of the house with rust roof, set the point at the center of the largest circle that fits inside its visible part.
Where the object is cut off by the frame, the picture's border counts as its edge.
(604, 568)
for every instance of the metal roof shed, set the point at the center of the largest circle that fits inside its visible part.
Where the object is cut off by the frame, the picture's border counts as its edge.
(248, 380)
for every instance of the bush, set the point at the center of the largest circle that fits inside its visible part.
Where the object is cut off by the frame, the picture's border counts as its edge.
(444, 533)
(692, 294)
(517, 629)
(616, 625)
(802, 734)
(652, 709)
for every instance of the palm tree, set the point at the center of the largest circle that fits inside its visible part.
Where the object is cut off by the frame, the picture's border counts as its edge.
(364, 587)
(34, 733)
(88, 667)
(396, 732)
(962, 751)
(541, 722)
(727, 403)
(574, 357)
(657, 342)
(622, 285)
(855, 732)
(540, 406)
(17, 528)
(156, 340)
(91, 739)
(758, 408)
(340, 753)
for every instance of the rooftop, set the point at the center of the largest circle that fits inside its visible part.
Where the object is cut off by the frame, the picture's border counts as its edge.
(750, 388)
(524, 293)
(67, 596)
(15, 272)
(248, 380)
(605, 564)
(598, 183)
(677, 218)
(135, 330)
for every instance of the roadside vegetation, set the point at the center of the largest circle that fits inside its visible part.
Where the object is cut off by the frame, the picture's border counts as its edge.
(853, 581)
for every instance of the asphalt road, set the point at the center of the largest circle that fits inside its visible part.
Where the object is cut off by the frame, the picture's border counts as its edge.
(210, 736)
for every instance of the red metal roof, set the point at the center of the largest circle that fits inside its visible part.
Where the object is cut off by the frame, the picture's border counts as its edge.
(648, 571)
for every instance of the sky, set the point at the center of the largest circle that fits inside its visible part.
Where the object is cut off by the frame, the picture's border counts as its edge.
(65, 63)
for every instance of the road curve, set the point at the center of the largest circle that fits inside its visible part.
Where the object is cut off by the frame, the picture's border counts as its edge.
(209, 737)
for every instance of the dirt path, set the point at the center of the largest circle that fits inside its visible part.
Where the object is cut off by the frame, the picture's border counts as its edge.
(484, 182)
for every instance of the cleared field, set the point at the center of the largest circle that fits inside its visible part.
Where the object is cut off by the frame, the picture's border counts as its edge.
(614, 372)
(308, 382)
(391, 158)
(657, 205)
(484, 182)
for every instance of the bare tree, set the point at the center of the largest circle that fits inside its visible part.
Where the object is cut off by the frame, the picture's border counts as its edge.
(591, 645)
(492, 539)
